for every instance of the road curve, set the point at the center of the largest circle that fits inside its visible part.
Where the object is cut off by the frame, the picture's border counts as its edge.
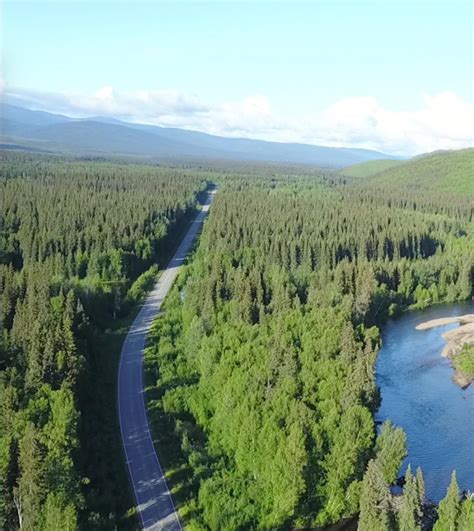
(153, 498)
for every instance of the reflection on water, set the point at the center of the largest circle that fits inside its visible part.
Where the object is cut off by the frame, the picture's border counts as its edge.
(419, 395)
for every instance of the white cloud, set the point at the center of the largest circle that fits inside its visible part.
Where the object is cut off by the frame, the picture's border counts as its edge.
(105, 93)
(444, 121)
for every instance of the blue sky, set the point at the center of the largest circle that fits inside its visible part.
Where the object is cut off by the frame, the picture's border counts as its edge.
(279, 64)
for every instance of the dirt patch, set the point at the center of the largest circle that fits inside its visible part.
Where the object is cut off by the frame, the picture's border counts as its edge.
(462, 319)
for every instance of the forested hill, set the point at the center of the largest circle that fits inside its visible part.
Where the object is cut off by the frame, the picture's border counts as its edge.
(39, 130)
(371, 167)
(449, 171)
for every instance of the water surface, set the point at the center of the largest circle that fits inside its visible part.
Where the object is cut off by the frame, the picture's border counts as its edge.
(419, 395)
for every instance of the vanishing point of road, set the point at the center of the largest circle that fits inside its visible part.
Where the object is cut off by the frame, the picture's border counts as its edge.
(153, 498)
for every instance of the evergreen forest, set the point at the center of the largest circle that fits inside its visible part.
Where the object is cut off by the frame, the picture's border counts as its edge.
(261, 369)
(80, 244)
(260, 375)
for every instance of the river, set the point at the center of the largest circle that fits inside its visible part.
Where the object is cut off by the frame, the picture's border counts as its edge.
(419, 395)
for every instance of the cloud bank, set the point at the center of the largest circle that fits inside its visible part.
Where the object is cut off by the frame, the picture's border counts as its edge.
(444, 121)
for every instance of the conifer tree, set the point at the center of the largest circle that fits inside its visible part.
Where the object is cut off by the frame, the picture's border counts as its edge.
(30, 492)
(5, 477)
(410, 509)
(466, 515)
(449, 508)
(420, 486)
(391, 449)
(374, 500)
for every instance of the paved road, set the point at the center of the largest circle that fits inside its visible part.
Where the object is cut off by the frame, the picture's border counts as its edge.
(152, 495)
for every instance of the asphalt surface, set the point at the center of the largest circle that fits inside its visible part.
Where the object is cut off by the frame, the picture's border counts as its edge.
(152, 495)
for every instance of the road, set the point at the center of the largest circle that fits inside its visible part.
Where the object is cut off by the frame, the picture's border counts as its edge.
(152, 495)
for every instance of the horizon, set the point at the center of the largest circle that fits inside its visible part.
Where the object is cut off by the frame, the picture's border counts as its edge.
(118, 122)
(197, 73)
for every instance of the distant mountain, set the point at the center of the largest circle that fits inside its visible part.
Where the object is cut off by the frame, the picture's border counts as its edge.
(29, 117)
(447, 171)
(99, 135)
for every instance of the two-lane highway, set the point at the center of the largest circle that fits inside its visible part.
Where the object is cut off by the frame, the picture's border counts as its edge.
(152, 495)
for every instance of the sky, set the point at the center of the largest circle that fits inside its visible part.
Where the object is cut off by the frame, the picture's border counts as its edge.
(397, 76)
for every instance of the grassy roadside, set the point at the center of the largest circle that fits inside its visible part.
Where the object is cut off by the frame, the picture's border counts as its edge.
(182, 482)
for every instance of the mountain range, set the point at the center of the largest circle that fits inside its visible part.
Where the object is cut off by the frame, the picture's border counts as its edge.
(22, 128)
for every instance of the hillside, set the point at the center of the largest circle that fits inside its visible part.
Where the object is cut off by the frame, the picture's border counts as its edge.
(106, 138)
(369, 168)
(449, 171)
(99, 135)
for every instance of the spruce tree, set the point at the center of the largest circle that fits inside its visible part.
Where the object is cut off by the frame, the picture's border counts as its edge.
(448, 510)
(466, 515)
(5, 467)
(420, 486)
(30, 492)
(410, 508)
(374, 500)
(391, 449)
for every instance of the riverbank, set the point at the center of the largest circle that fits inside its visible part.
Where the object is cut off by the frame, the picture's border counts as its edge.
(417, 393)
(455, 339)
